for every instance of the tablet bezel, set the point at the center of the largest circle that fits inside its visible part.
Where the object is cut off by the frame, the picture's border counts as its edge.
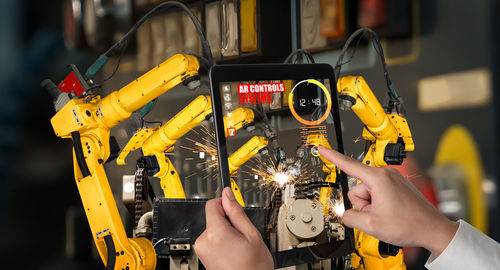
(263, 72)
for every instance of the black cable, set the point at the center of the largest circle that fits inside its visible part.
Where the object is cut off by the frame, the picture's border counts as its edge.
(118, 63)
(153, 12)
(312, 185)
(143, 121)
(378, 48)
(202, 60)
(354, 49)
(110, 247)
(97, 65)
(80, 158)
(299, 52)
(260, 108)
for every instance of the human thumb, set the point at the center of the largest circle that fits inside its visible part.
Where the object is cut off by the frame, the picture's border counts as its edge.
(357, 219)
(235, 213)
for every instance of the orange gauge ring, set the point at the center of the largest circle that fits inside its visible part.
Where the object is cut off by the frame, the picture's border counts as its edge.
(328, 98)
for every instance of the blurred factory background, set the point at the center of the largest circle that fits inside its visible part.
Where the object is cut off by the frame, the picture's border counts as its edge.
(442, 57)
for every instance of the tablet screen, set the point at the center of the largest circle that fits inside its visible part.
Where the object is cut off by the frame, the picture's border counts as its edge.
(272, 130)
(288, 117)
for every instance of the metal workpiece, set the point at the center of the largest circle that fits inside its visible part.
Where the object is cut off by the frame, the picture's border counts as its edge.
(305, 218)
(336, 231)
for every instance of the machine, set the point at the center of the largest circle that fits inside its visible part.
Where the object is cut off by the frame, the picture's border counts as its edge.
(298, 216)
(389, 140)
(90, 128)
(87, 118)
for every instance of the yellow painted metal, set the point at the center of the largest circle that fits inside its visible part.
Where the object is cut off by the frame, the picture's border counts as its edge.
(245, 152)
(242, 155)
(248, 25)
(134, 143)
(368, 257)
(325, 193)
(158, 80)
(238, 119)
(163, 140)
(237, 193)
(147, 259)
(169, 181)
(380, 129)
(93, 117)
(166, 136)
(157, 141)
(458, 147)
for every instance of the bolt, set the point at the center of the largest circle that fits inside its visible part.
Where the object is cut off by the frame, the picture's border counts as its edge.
(313, 205)
(292, 217)
(313, 228)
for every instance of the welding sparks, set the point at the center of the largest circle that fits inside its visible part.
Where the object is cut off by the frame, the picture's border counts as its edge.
(205, 148)
(338, 208)
(281, 178)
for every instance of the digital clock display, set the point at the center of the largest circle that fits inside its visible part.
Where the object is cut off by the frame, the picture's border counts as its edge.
(307, 102)
(308, 97)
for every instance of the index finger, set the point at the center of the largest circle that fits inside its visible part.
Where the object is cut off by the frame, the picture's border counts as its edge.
(215, 214)
(350, 166)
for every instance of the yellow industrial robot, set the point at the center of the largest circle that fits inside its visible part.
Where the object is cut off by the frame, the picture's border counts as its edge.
(87, 119)
(155, 142)
(325, 193)
(390, 138)
(257, 144)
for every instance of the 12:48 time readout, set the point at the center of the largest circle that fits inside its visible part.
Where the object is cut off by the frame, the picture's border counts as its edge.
(306, 102)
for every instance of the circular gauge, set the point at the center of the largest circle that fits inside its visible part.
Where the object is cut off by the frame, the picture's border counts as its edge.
(308, 102)
(73, 25)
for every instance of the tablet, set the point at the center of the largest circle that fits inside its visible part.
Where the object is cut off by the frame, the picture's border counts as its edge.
(289, 109)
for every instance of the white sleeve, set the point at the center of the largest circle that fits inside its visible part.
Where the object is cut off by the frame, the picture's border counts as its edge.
(469, 249)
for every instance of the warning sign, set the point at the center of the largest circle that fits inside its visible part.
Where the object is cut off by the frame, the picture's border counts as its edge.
(231, 132)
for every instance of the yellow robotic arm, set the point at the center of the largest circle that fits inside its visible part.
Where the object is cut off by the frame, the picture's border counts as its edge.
(255, 145)
(390, 138)
(88, 121)
(328, 167)
(155, 142)
(389, 134)
(240, 117)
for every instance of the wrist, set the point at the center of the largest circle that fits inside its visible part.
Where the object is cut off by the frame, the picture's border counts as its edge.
(440, 237)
